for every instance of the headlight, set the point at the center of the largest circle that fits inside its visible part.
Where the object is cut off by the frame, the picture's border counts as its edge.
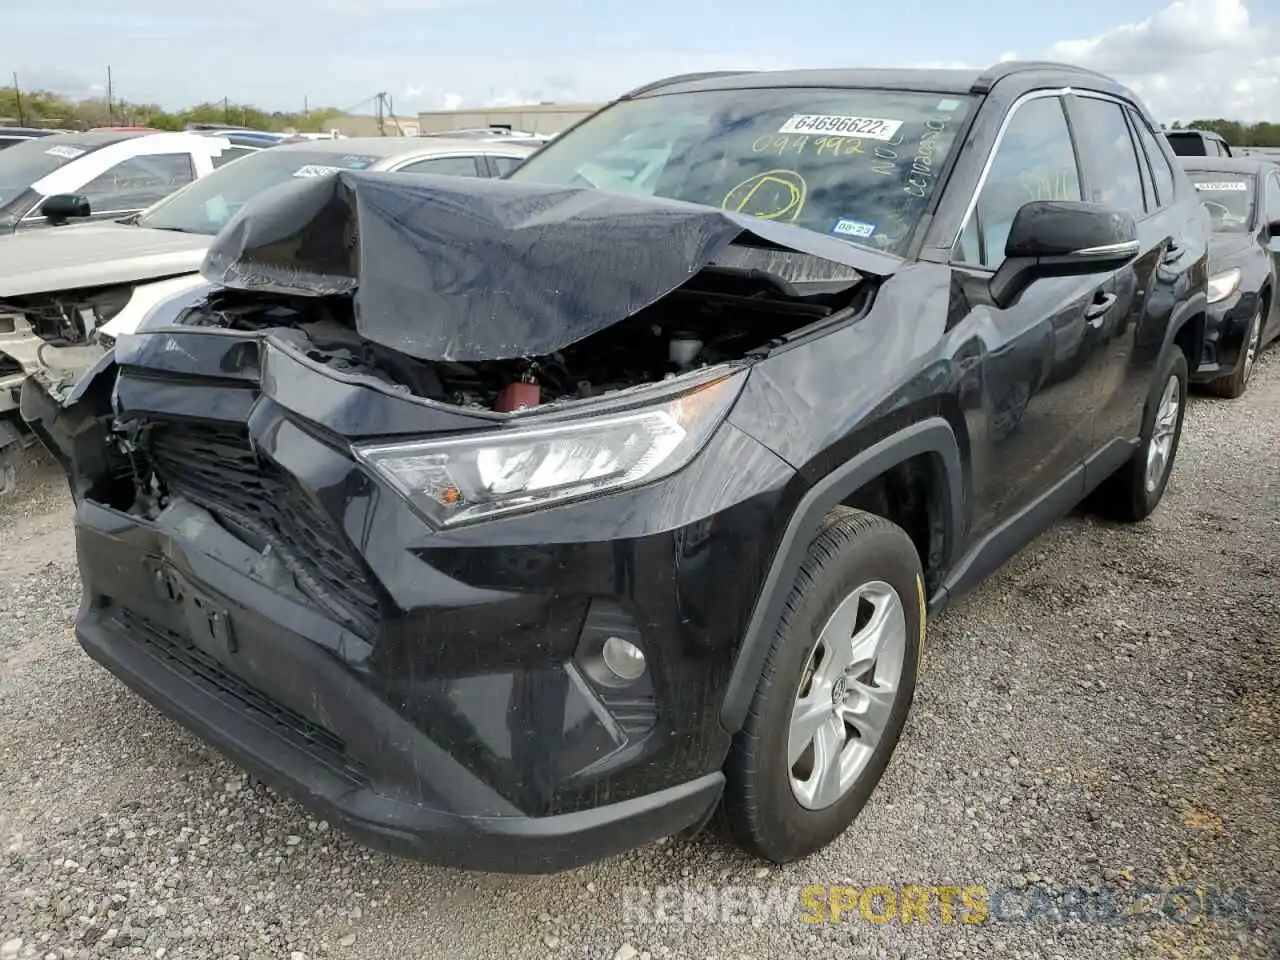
(1224, 284)
(470, 478)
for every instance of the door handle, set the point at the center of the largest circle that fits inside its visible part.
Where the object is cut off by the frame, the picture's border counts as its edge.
(1095, 312)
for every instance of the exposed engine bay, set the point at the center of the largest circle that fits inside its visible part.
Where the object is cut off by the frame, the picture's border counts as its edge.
(722, 314)
(70, 317)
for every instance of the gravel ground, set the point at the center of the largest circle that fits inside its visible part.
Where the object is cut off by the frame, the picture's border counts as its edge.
(1105, 712)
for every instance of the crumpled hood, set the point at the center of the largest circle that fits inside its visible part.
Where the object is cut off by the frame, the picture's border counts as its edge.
(94, 254)
(1225, 247)
(462, 268)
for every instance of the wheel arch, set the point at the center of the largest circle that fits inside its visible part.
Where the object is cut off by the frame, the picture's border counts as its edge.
(932, 438)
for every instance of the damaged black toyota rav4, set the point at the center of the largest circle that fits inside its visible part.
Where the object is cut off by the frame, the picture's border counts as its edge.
(513, 524)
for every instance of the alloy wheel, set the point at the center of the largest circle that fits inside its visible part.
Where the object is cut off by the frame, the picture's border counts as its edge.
(846, 694)
(1160, 446)
(1252, 345)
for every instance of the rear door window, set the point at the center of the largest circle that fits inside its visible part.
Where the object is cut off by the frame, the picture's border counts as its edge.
(1160, 168)
(1117, 177)
(449, 166)
(504, 165)
(138, 182)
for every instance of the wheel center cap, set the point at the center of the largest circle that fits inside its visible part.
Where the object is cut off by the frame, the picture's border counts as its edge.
(838, 690)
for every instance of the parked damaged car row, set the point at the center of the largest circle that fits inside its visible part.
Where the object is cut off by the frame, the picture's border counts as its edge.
(511, 523)
(66, 293)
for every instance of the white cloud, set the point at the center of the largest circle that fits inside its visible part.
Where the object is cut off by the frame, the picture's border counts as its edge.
(1195, 59)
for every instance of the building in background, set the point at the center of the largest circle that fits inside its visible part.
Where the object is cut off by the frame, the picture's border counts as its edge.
(359, 125)
(545, 118)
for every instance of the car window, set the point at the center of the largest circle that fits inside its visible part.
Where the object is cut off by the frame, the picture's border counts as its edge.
(1034, 161)
(24, 163)
(860, 165)
(504, 165)
(205, 206)
(231, 153)
(1229, 198)
(450, 166)
(1189, 145)
(1150, 204)
(1117, 180)
(1272, 207)
(138, 182)
(1160, 167)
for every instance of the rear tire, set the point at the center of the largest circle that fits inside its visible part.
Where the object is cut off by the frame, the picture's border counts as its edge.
(1136, 489)
(1233, 386)
(834, 692)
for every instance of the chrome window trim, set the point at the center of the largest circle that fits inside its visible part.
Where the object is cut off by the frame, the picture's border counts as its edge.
(995, 148)
(1004, 126)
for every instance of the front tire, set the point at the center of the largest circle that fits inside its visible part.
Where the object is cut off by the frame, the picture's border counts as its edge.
(1136, 489)
(834, 693)
(1233, 385)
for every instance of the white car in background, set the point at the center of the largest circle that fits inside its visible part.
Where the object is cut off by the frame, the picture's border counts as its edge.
(100, 175)
(70, 292)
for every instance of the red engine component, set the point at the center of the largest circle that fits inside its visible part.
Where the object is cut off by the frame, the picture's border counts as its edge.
(516, 396)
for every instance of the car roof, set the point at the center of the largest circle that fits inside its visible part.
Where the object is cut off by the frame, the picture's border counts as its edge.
(1228, 164)
(27, 132)
(97, 138)
(388, 148)
(968, 81)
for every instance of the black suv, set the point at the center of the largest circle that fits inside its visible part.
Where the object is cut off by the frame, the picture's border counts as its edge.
(513, 523)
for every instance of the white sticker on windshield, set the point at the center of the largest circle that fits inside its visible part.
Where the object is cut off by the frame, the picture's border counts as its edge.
(869, 128)
(67, 153)
(846, 227)
(946, 106)
(316, 170)
(1236, 186)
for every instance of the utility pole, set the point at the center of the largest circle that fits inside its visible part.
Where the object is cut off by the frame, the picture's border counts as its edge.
(382, 130)
(226, 110)
(111, 110)
(17, 95)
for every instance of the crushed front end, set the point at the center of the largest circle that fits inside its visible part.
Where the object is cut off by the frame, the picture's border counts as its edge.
(443, 693)
(476, 611)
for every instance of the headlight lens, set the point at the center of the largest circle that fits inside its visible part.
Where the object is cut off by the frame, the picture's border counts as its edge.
(1224, 284)
(471, 478)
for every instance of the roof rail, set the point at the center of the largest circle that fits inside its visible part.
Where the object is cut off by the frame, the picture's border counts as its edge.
(1006, 68)
(680, 78)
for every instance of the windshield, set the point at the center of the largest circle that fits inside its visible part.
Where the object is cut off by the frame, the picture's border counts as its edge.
(861, 165)
(24, 163)
(1228, 197)
(206, 205)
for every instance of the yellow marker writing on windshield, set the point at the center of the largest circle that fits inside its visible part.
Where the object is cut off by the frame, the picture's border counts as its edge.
(772, 195)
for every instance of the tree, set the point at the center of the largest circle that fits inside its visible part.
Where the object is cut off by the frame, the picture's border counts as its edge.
(42, 108)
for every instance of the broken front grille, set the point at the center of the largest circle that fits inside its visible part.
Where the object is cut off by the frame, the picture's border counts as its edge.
(216, 467)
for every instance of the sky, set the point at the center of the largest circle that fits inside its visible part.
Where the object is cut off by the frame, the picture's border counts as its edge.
(1189, 59)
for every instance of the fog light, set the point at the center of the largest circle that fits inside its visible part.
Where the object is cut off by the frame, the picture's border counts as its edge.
(624, 660)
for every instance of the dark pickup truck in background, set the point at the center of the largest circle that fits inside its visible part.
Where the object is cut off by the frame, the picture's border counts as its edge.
(1198, 143)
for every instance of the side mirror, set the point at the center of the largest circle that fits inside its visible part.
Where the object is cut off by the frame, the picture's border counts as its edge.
(1273, 234)
(62, 207)
(1062, 238)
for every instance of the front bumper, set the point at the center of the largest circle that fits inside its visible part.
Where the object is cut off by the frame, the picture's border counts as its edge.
(446, 815)
(458, 721)
(1225, 329)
